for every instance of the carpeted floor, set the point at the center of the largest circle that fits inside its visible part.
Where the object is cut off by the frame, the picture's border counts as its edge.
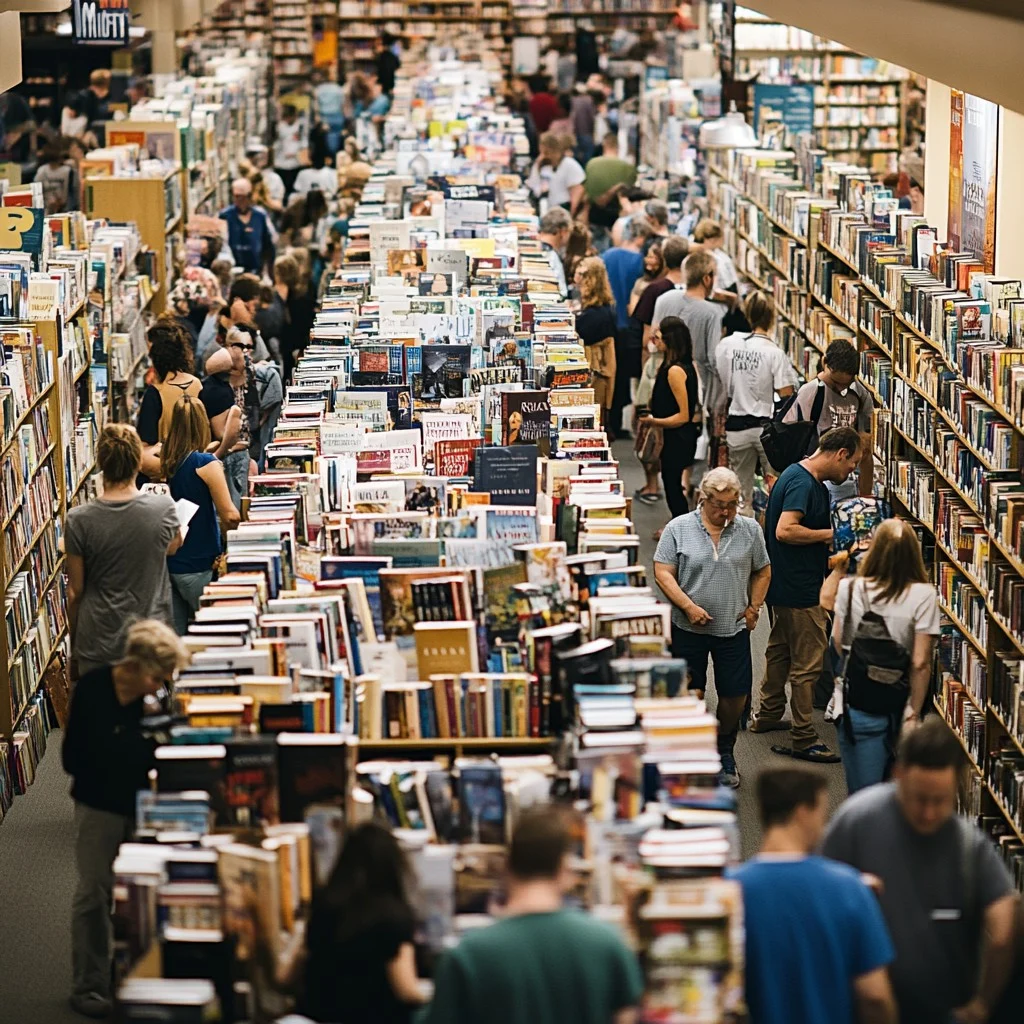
(37, 873)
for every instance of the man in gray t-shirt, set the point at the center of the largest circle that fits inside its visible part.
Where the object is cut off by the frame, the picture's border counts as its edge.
(117, 567)
(947, 897)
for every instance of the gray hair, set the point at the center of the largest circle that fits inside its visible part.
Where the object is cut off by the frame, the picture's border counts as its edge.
(555, 220)
(241, 185)
(657, 211)
(719, 481)
(637, 227)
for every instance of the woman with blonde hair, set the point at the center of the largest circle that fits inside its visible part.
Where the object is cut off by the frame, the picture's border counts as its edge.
(886, 622)
(117, 547)
(109, 756)
(197, 476)
(596, 326)
(556, 175)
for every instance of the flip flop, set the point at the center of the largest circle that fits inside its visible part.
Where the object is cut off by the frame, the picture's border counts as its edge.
(817, 754)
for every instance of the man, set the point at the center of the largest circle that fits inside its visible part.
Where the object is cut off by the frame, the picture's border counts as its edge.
(94, 103)
(817, 946)
(583, 112)
(386, 62)
(673, 252)
(714, 569)
(702, 317)
(230, 386)
(243, 304)
(543, 104)
(944, 891)
(846, 404)
(555, 227)
(248, 232)
(630, 201)
(540, 964)
(289, 145)
(656, 213)
(607, 175)
(798, 528)
(17, 129)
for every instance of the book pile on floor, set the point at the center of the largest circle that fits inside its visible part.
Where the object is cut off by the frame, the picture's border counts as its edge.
(433, 614)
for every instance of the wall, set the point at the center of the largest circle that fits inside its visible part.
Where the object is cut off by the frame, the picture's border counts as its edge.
(936, 155)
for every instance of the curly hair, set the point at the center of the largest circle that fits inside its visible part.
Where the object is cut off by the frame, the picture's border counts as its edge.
(170, 348)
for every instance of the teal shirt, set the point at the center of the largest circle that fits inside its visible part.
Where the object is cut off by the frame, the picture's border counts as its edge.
(562, 967)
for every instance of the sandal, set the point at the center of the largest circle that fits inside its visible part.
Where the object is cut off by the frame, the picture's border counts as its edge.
(818, 753)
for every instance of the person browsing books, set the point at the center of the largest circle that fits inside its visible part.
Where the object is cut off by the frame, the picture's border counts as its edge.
(117, 548)
(555, 228)
(359, 963)
(798, 530)
(846, 403)
(675, 410)
(817, 948)
(195, 475)
(540, 964)
(595, 324)
(109, 757)
(945, 893)
(752, 369)
(713, 567)
(556, 176)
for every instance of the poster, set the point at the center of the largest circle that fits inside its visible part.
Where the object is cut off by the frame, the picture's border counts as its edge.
(973, 139)
(101, 22)
(790, 105)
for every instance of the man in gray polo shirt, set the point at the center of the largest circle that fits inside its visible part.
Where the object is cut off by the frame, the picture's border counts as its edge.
(946, 895)
(714, 569)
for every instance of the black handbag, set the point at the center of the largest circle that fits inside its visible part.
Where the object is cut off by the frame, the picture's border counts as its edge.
(787, 443)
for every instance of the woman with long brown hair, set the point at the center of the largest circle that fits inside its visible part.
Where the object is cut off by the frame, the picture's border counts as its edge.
(596, 326)
(892, 587)
(197, 476)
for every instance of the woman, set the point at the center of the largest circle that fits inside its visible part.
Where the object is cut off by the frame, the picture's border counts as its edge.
(654, 267)
(292, 284)
(891, 585)
(262, 201)
(596, 326)
(117, 548)
(360, 961)
(557, 176)
(752, 369)
(577, 249)
(171, 355)
(675, 409)
(197, 476)
(109, 757)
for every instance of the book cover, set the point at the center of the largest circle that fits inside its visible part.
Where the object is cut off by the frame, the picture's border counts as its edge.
(250, 781)
(446, 648)
(311, 770)
(508, 473)
(455, 457)
(526, 419)
(854, 521)
(481, 803)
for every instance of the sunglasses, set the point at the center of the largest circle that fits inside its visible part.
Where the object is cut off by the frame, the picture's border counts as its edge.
(244, 348)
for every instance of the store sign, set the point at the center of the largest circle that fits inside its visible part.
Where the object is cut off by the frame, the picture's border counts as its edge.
(790, 105)
(101, 22)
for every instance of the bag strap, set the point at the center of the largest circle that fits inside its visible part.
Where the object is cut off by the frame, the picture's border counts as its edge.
(969, 837)
(818, 404)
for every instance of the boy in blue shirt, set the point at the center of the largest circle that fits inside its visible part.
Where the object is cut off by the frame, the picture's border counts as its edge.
(817, 946)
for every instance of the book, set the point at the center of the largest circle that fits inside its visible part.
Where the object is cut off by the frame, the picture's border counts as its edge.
(311, 769)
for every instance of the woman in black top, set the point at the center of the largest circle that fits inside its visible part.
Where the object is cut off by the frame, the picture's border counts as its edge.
(360, 960)
(675, 408)
(597, 326)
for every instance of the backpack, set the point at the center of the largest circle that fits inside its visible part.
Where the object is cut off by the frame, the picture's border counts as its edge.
(876, 677)
(787, 443)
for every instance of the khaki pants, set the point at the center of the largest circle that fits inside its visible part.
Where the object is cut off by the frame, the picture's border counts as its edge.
(744, 451)
(796, 648)
(601, 357)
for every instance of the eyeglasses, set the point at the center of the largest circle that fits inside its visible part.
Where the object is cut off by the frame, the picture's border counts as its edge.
(725, 506)
(244, 348)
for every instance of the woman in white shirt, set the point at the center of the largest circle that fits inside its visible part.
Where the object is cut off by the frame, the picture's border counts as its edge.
(892, 583)
(752, 369)
(556, 176)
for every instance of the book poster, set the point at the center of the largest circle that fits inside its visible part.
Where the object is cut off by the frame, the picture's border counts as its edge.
(973, 138)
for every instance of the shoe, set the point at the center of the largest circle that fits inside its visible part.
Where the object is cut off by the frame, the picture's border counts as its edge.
(730, 774)
(92, 1004)
(769, 725)
(648, 498)
(818, 753)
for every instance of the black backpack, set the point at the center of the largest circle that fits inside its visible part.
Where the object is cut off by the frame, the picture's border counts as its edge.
(876, 678)
(787, 443)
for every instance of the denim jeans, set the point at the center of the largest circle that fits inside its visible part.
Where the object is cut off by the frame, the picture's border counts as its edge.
(186, 587)
(99, 834)
(335, 125)
(867, 759)
(236, 472)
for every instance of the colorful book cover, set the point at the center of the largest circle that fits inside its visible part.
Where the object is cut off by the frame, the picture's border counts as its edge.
(854, 521)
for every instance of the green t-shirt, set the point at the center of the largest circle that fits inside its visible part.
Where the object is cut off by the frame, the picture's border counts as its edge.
(563, 967)
(605, 172)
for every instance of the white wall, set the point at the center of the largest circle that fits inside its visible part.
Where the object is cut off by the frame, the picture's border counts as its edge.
(936, 156)
(1009, 197)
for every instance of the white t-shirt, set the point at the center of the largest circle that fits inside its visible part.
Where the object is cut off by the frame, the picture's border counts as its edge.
(725, 278)
(325, 179)
(917, 611)
(288, 144)
(274, 183)
(558, 180)
(752, 368)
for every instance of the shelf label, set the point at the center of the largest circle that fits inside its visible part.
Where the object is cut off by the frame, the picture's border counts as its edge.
(101, 22)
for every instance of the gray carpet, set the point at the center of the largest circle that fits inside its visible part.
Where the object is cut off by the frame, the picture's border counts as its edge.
(37, 872)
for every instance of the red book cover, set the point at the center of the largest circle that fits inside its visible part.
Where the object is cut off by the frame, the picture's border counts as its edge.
(455, 457)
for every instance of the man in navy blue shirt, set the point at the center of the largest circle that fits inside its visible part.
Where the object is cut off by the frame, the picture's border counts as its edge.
(817, 950)
(248, 233)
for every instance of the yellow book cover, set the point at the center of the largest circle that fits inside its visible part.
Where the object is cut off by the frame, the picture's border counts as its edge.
(446, 648)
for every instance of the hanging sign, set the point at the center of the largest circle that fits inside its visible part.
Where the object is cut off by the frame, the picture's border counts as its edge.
(101, 22)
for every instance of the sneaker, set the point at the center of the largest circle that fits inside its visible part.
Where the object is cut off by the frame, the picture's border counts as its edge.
(649, 499)
(769, 725)
(92, 1004)
(730, 774)
(818, 753)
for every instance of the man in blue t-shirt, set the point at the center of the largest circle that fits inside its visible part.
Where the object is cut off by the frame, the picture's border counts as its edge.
(798, 531)
(817, 946)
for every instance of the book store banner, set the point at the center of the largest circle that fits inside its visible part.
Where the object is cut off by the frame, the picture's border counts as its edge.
(973, 138)
(101, 22)
(790, 105)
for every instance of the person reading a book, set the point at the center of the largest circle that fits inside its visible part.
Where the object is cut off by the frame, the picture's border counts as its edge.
(798, 531)
(359, 964)
(540, 964)
(752, 369)
(197, 476)
(109, 754)
(943, 887)
(117, 547)
(891, 585)
(713, 567)
(817, 947)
